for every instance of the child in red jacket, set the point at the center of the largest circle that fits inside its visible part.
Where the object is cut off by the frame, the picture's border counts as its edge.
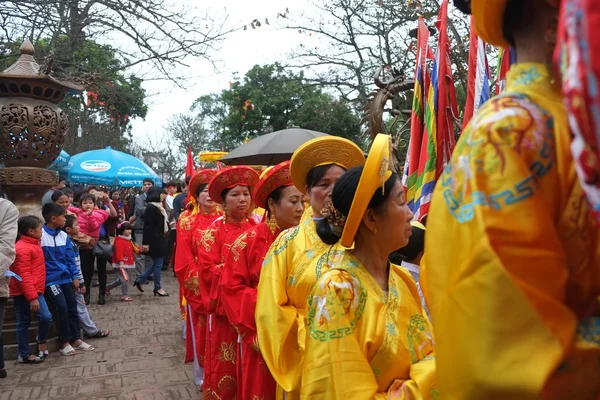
(124, 250)
(28, 293)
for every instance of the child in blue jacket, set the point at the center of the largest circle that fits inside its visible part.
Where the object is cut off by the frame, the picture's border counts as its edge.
(62, 279)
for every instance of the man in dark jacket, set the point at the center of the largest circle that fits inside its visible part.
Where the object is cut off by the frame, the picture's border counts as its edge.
(141, 260)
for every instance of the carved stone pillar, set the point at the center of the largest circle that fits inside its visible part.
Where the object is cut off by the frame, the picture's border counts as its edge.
(32, 129)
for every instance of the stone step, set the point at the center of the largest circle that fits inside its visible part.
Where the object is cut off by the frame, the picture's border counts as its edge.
(9, 334)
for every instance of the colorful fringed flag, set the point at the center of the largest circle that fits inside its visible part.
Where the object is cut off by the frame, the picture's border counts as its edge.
(411, 166)
(478, 87)
(506, 58)
(579, 63)
(440, 110)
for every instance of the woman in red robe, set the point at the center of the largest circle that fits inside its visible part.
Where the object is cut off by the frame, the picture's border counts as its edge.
(202, 211)
(275, 193)
(231, 188)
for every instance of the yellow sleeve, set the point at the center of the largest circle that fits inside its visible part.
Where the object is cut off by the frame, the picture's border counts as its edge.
(279, 327)
(496, 271)
(420, 385)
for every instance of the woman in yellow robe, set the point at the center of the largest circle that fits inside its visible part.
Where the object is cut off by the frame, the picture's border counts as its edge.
(368, 336)
(512, 257)
(286, 279)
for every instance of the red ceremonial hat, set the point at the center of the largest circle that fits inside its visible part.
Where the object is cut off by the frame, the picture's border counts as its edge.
(200, 178)
(272, 178)
(230, 177)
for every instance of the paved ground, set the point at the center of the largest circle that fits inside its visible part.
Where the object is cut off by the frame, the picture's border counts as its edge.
(141, 360)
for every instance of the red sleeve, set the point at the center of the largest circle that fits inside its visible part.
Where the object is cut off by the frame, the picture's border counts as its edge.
(183, 253)
(186, 269)
(209, 263)
(238, 296)
(22, 267)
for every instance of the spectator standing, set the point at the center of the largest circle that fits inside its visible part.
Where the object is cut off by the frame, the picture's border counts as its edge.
(90, 219)
(141, 260)
(171, 190)
(47, 198)
(103, 203)
(111, 224)
(171, 235)
(85, 320)
(62, 279)
(123, 259)
(179, 202)
(9, 216)
(155, 227)
(28, 293)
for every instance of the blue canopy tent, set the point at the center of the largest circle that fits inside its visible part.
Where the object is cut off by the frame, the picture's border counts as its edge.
(61, 161)
(108, 167)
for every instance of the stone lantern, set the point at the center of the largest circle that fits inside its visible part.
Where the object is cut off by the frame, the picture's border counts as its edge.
(32, 129)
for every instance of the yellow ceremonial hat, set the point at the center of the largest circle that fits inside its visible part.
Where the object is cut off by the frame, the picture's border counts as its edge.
(323, 150)
(489, 19)
(374, 175)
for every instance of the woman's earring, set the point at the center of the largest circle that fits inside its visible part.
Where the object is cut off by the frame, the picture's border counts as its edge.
(272, 224)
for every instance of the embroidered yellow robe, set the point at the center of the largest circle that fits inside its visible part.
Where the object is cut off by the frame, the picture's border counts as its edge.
(288, 275)
(364, 343)
(513, 261)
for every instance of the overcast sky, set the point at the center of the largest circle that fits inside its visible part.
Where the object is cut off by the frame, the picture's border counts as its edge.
(239, 52)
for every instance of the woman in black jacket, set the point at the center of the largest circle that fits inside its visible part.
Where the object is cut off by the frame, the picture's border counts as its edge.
(154, 241)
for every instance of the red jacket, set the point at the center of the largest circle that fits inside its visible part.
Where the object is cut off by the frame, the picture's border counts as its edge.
(123, 251)
(29, 265)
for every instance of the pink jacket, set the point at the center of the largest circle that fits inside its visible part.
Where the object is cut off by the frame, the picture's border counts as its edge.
(90, 224)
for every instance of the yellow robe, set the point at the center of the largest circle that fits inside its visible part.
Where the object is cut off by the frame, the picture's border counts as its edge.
(513, 261)
(364, 343)
(288, 275)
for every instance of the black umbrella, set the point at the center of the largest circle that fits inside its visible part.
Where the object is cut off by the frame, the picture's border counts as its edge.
(270, 149)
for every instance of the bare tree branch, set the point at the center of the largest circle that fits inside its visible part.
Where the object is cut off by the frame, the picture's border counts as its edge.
(161, 32)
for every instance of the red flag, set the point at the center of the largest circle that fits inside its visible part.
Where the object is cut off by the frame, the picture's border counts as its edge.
(478, 88)
(506, 58)
(446, 104)
(189, 165)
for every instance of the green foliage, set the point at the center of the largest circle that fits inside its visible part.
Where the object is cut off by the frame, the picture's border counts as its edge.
(113, 97)
(270, 98)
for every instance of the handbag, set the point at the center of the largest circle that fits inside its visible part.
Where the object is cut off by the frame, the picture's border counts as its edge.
(103, 249)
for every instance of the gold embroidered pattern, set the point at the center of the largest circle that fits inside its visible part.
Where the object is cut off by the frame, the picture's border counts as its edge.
(227, 353)
(255, 346)
(208, 239)
(192, 282)
(229, 384)
(239, 245)
(208, 394)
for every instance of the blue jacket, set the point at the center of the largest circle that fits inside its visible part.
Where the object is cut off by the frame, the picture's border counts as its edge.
(61, 267)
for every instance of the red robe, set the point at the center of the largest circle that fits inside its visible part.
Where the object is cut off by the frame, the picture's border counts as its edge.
(187, 274)
(221, 341)
(239, 283)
